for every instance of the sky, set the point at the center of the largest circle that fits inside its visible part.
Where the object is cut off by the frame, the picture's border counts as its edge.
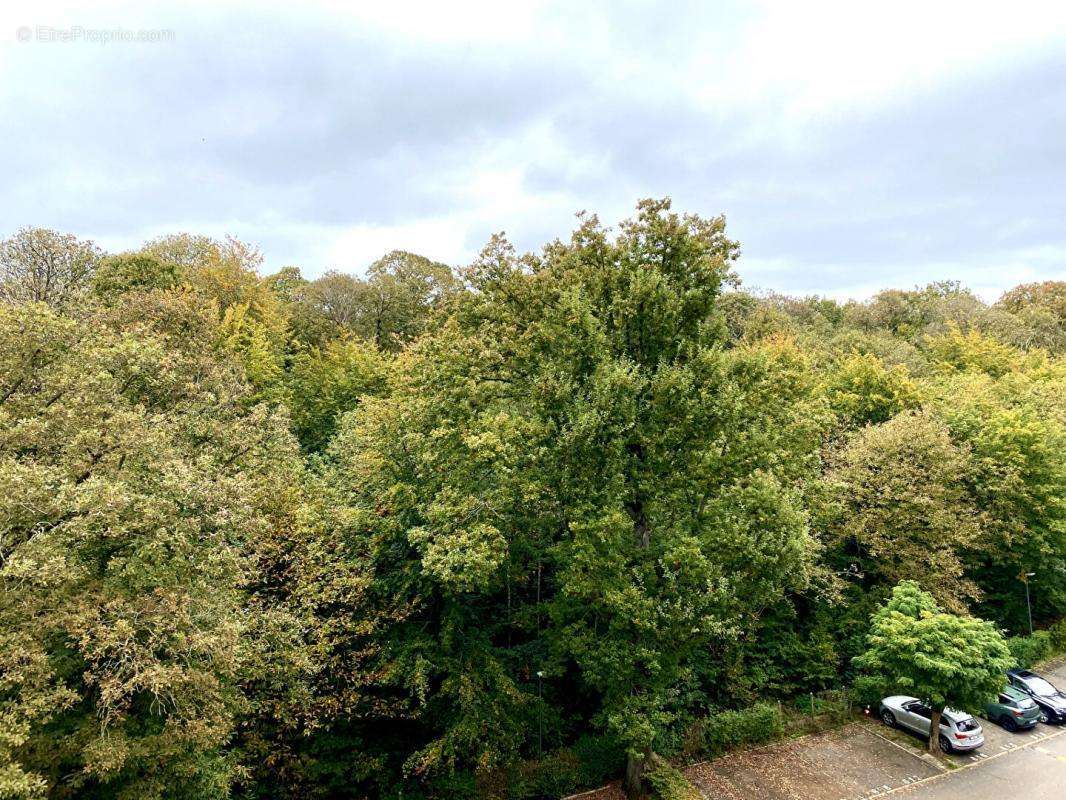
(852, 146)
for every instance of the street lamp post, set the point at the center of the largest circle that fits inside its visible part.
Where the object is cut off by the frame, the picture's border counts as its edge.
(1028, 604)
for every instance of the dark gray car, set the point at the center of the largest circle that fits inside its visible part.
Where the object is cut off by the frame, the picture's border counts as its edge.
(1051, 701)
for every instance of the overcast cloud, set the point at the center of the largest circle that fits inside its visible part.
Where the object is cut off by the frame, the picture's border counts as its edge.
(850, 148)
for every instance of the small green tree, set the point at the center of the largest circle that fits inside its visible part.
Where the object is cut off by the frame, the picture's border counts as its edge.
(943, 659)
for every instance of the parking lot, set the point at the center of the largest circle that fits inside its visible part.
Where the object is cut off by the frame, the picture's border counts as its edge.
(867, 759)
(997, 740)
(852, 762)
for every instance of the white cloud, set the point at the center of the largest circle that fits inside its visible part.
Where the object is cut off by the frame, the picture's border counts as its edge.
(882, 141)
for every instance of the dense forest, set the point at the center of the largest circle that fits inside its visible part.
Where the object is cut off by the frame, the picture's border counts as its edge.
(503, 531)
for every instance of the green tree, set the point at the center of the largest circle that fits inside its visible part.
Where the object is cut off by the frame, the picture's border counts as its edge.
(326, 382)
(943, 659)
(1015, 431)
(863, 390)
(402, 291)
(574, 478)
(1048, 297)
(971, 351)
(920, 312)
(338, 298)
(392, 306)
(184, 251)
(40, 265)
(138, 494)
(902, 507)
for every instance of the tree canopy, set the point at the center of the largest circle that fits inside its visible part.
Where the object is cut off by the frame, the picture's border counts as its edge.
(504, 531)
(945, 660)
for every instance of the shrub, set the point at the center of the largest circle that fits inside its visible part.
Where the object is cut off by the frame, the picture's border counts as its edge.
(554, 775)
(668, 782)
(1058, 635)
(600, 758)
(758, 723)
(590, 762)
(1028, 650)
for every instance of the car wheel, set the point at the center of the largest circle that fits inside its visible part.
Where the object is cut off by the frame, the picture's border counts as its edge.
(1009, 724)
(888, 718)
(945, 745)
(1043, 717)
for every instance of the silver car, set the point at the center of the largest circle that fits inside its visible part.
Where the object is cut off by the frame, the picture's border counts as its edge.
(958, 730)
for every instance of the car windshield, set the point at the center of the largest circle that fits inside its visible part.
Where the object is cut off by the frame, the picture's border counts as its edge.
(967, 724)
(1041, 686)
(1025, 702)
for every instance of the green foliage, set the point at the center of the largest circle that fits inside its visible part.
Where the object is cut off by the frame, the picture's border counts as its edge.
(760, 722)
(913, 315)
(1036, 315)
(1058, 636)
(901, 505)
(1014, 431)
(392, 307)
(943, 659)
(1028, 651)
(132, 271)
(549, 514)
(326, 382)
(669, 783)
(136, 492)
(955, 351)
(539, 449)
(38, 265)
(863, 390)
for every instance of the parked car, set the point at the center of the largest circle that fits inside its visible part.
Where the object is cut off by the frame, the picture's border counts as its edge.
(958, 730)
(1014, 710)
(1051, 701)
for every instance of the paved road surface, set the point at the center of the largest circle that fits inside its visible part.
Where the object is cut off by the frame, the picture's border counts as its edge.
(1036, 772)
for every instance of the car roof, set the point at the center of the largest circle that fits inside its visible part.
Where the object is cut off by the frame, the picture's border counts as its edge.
(1022, 673)
(1015, 693)
(950, 713)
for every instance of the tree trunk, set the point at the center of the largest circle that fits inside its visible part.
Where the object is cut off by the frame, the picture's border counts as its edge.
(933, 744)
(633, 783)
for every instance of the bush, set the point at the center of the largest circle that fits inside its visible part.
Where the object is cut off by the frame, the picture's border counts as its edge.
(761, 722)
(557, 774)
(600, 758)
(1058, 635)
(668, 782)
(590, 762)
(1029, 650)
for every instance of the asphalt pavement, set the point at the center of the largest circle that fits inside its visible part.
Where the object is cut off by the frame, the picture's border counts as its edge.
(1034, 772)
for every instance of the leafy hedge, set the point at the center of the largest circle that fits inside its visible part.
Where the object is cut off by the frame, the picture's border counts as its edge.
(758, 723)
(1058, 636)
(1029, 650)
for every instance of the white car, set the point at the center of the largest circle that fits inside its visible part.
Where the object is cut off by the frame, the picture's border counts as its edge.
(958, 730)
